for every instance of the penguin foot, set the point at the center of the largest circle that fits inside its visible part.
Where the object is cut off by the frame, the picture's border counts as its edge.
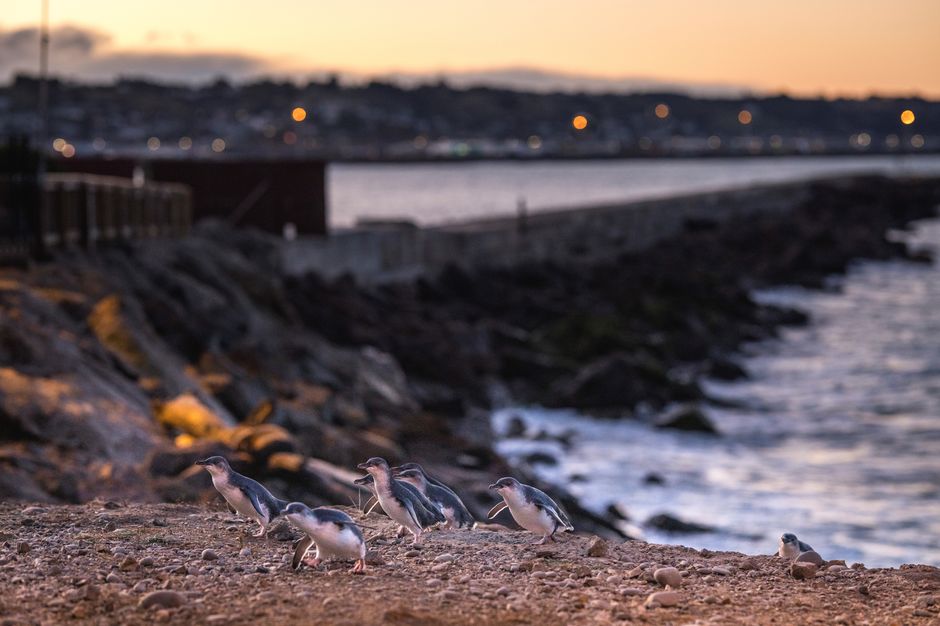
(314, 562)
(545, 539)
(359, 567)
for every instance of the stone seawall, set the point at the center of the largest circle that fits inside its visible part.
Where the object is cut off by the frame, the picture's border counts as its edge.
(386, 251)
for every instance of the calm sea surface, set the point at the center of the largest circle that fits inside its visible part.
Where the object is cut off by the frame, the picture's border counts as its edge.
(837, 440)
(444, 192)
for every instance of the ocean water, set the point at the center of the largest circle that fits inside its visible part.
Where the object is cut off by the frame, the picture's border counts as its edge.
(836, 436)
(435, 193)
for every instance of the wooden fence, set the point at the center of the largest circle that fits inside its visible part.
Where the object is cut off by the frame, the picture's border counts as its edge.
(83, 211)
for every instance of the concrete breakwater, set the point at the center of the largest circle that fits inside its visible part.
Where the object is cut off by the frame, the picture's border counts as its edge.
(376, 252)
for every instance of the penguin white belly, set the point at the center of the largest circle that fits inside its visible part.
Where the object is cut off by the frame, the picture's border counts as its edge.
(532, 518)
(789, 551)
(234, 496)
(450, 515)
(338, 544)
(396, 511)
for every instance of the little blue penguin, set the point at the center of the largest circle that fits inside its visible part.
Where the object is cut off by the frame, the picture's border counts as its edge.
(401, 502)
(531, 508)
(443, 498)
(334, 534)
(791, 547)
(246, 496)
(428, 513)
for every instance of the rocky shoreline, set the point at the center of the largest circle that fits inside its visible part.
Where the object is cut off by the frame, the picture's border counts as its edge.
(120, 368)
(108, 563)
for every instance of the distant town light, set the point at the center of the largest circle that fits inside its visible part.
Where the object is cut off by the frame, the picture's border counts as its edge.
(534, 142)
(290, 137)
(68, 150)
(299, 114)
(58, 144)
(892, 141)
(907, 117)
(918, 141)
(99, 144)
(863, 140)
(185, 143)
(714, 142)
(579, 122)
(661, 111)
(218, 144)
(745, 117)
(153, 144)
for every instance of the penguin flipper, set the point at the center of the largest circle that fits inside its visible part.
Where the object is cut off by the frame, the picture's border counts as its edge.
(371, 504)
(257, 504)
(496, 510)
(552, 511)
(300, 551)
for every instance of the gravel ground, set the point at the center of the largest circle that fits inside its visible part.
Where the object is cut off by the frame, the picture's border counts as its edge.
(100, 562)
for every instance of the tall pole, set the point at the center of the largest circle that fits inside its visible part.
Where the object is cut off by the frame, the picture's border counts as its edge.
(43, 127)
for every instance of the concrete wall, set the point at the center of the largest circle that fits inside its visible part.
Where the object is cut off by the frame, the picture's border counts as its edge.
(385, 252)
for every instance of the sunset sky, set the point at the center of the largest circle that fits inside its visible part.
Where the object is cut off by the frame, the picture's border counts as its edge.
(804, 47)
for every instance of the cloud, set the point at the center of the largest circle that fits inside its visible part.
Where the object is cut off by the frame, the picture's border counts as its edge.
(82, 53)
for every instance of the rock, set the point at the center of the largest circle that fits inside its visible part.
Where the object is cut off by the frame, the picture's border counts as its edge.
(668, 576)
(244, 552)
(670, 524)
(653, 478)
(811, 556)
(540, 458)
(721, 571)
(687, 418)
(445, 558)
(631, 591)
(22, 547)
(836, 568)
(147, 561)
(803, 570)
(503, 591)
(162, 599)
(209, 555)
(662, 599)
(129, 564)
(598, 547)
(113, 577)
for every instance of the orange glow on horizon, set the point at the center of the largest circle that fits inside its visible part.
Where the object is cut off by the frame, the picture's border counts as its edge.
(745, 117)
(907, 117)
(661, 111)
(579, 122)
(299, 114)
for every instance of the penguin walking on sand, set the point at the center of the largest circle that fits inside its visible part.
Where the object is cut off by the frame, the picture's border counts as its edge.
(427, 512)
(443, 498)
(246, 496)
(531, 508)
(400, 501)
(333, 534)
(791, 547)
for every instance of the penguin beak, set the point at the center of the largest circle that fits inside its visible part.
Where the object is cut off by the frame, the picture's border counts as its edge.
(202, 463)
(363, 466)
(494, 486)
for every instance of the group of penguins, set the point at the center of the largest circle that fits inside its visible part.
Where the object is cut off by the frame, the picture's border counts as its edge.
(406, 493)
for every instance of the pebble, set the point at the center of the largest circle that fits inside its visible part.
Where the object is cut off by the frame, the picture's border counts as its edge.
(631, 591)
(445, 558)
(165, 599)
(209, 555)
(668, 576)
(412, 554)
(218, 617)
(598, 547)
(721, 571)
(835, 568)
(662, 598)
(441, 567)
(503, 591)
(432, 582)
(246, 551)
(22, 547)
(158, 522)
(802, 570)
(113, 578)
(147, 561)
(129, 564)
(450, 594)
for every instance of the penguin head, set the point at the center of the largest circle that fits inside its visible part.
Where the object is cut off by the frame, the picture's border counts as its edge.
(505, 484)
(365, 480)
(215, 465)
(404, 467)
(788, 538)
(412, 476)
(296, 508)
(375, 465)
